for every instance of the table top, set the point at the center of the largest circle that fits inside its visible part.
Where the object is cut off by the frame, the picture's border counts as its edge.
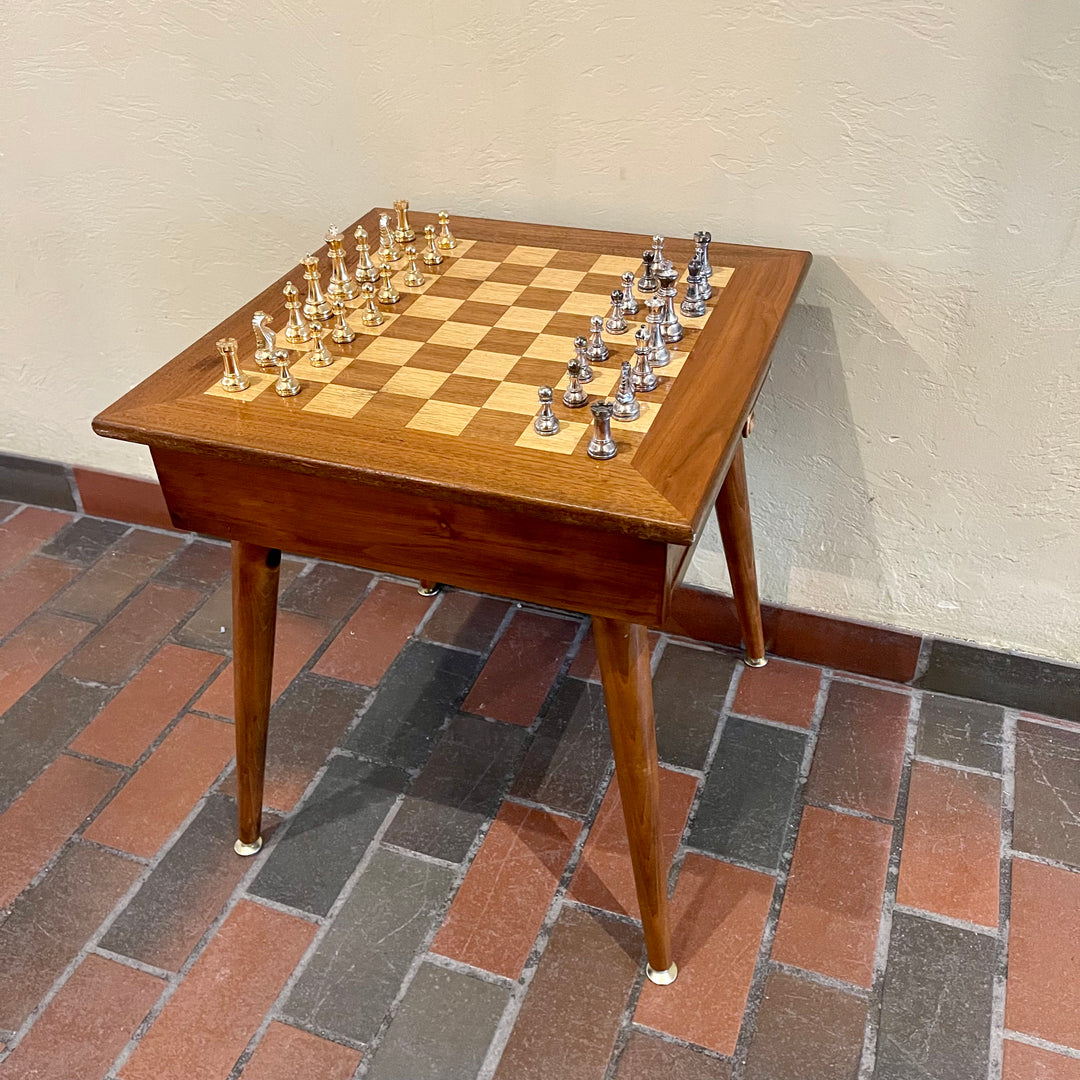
(439, 399)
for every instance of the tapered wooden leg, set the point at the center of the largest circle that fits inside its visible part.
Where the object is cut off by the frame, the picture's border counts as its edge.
(255, 572)
(623, 651)
(733, 516)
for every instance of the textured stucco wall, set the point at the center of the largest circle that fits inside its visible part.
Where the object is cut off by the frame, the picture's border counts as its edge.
(916, 456)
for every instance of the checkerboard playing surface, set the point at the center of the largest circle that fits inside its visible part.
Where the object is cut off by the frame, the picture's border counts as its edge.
(462, 355)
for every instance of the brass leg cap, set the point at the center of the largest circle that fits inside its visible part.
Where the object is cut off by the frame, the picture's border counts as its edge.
(248, 849)
(751, 661)
(661, 978)
(428, 590)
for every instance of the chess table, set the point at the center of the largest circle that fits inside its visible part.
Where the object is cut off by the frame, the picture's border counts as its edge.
(414, 454)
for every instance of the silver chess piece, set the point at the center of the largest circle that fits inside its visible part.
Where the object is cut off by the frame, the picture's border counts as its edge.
(267, 355)
(644, 376)
(413, 278)
(286, 385)
(658, 350)
(370, 315)
(616, 321)
(702, 240)
(387, 293)
(365, 268)
(341, 285)
(581, 355)
(316, 307)
(546, 422)
(627, 407)
(296, 330)
(574, 396)
(660, 260)
(601, 445)
(647, 282)
(233, 380)
(342, 333)
(629, 303)
(388, 252)
(320, 355)
(693, 304)
(431, 256)
(670, 327)
(597, 350)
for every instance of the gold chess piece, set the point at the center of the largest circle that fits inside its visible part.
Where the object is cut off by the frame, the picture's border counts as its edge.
(365, 268)
(296, 329)
(320, 355)
(431, 254)
(388, 294)
(388, 251)
(267, 354)
(446, 239)
(316, 306)
(342, 333)
(234, 380)
(286, 385)
(413, 278)
(403, 234)
(370, 315)
(341, 286)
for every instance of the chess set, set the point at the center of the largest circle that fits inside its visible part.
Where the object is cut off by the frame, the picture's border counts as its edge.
(510, 345)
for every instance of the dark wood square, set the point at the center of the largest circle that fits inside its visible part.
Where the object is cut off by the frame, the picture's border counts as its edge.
(437, 357)
(453, 287)
(514, 342)
(390, 412)
(536, 372)
(599, 283)
(365, 375)
(412, 329)
(543, 299)
(489, 251)
(479, 314)
(465, 390)
(564, 324)
(513, 274)
(572, 260)
(496, 428)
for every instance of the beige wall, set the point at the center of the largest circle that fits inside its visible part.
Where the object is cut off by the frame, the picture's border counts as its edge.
(916, 457)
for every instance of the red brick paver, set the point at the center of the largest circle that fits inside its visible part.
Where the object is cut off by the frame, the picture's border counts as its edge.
(27, 531)
(781, 691)
(28, 587)
(1023, 1062)
(287, 1053)
(42, 642)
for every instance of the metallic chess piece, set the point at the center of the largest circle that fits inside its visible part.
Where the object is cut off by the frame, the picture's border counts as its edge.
(658, 350)
(234, 380)
(267, 355)
(316, 307)
(342, 333)
(297, 329)
(575, 396)
(702, 240)
(286, 385)
(644, 376)
(602, 445)
(647, 282)
(365, 268)
(341, 286)
(616, 321)
(320, 355)
(597, 350)
(388, 251)
(693, 304)
(670, 327)
(431, 254)
(630, 304)
(387, 293)
(413, 278)
(581, 355)
(370, 315)
(403, 234)
(627, 407)
(660, 260)
(446, 239)
(546, 422)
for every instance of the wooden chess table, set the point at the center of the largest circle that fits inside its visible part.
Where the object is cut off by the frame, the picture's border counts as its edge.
(413, 454)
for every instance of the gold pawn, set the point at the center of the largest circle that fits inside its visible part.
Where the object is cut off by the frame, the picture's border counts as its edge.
(286, 385)
(403, 234)
(370, 315)
(446, 239)
(316, 306)
(320, 355)
(413, 279)
(431, 254)
(296, 330)
(388, 294)
(234, 379)
(343, 332)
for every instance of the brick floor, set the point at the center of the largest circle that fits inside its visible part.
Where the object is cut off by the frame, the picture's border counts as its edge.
(444, 889)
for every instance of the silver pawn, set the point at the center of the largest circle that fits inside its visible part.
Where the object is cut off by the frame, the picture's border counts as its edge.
(658, 351)
(267, 355)
(626, 402)
(546, 422)
(693, 304)
(581, 355)
(365, 268)
(574, 396)
(320, 355)
(660, 260)
(342, 333)
(647, 282)
(670, 327)
(616, 321)
(644, 377)
(597, 350)
(601, 445)
(286, 385)
(630, 305)
(702, 240)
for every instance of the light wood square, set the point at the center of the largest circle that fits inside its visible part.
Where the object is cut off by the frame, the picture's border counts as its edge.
(525, 319)
(531, 256)
(587, 305)
(721, 275)
(391, 350)
(354, 321)
(550, 347)
(615, 264)
(459, 335)
(649, 409)
(674, 367)
(303, 370)
(259, 381)
(433, 307)
(562, 280)
(564, 442)
(415, 382)
(513, 397)
(497, 292)
(458, 250)
(486, 365)
(603, 383)
(444, 417)
(694, 322)
(476, 269)
(334, 400)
